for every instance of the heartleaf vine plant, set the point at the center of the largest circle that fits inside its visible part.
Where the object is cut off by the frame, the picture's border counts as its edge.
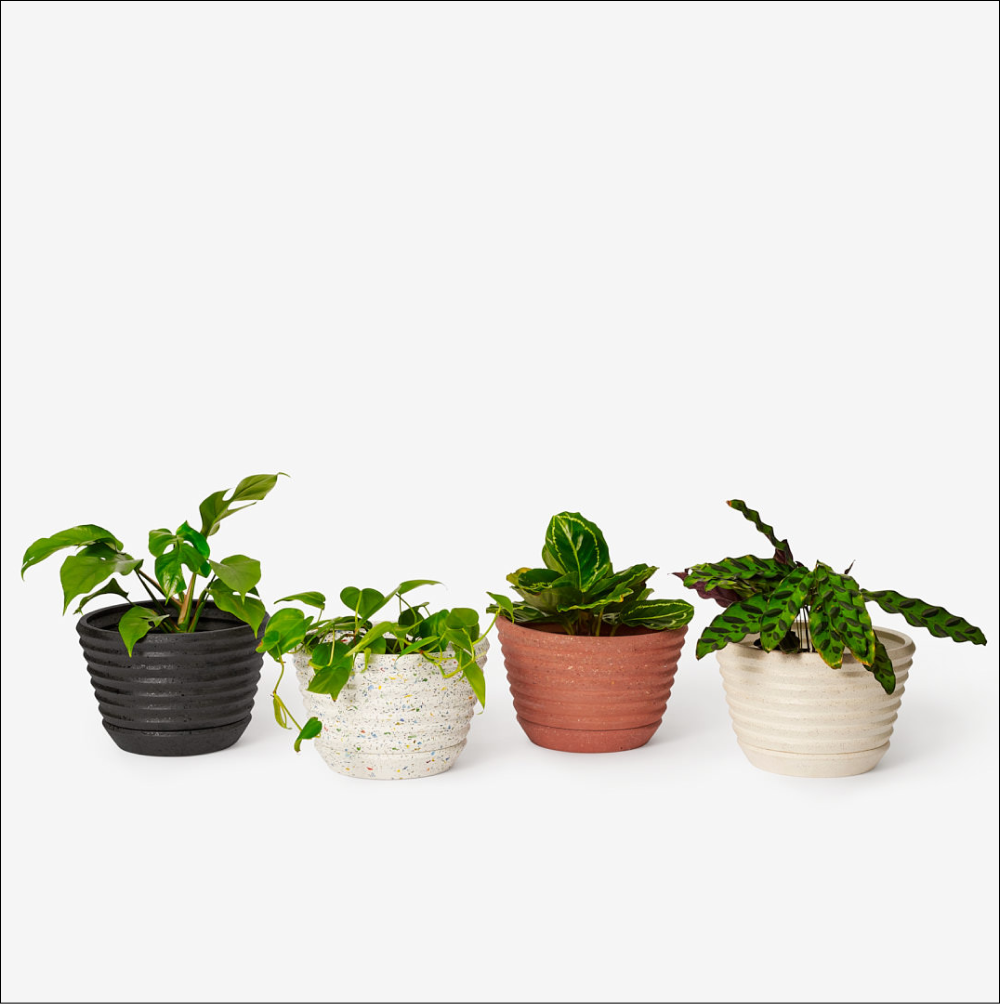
(182, 557)
(799, 609)
(579, 590)
(335, 645)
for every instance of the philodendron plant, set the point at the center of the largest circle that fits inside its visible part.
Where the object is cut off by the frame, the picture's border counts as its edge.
(447, 638)
(799, 609)
(181, 557)
(579, 590)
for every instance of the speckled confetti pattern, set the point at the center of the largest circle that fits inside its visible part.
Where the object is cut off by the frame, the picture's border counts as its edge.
(397, 719)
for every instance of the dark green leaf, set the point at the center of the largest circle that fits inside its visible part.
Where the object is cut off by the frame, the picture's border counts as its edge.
(249, 610)
(937, 620)
(136, 623)
(576, 546)
(733, 624)
(310, 730)
(332, 679)
(75, 536)
(238, 572)
(659, 615)
(190, 534)
(112, 587)
(312, 599)
(80, 573)
(160, 540)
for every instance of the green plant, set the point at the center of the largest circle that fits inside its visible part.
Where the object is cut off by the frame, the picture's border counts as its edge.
(579, 590)
(447, 638)
(798, 609)
(181, 556)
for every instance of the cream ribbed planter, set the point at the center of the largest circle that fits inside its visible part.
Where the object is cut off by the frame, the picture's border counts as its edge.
(397, 719)
(795, 715)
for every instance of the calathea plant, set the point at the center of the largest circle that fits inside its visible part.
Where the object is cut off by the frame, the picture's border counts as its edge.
(447, 638)
(579, 590)
(182, 557)
(799, 609)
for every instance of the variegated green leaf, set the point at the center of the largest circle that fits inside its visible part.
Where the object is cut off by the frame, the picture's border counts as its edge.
(825, 638)
(783, 606)
(937, 620)
(783, 553)
(576, 546)
(881, 668)
(850, 620)
(733, 624)
(660, 615)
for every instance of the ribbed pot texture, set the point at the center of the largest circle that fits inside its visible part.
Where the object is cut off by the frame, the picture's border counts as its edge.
(179, 694)
(582, 694)
(397, 719)
(794, 715)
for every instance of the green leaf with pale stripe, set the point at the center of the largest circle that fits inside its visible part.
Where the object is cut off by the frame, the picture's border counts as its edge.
(659, 615)
(882, 669)
(576, 546)
(783, 605)
(310, 598)
(733, 624)
(214, 509)
(937, 620)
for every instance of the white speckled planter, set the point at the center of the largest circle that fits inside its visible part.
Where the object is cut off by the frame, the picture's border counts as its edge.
(794, 715)
(397, 719)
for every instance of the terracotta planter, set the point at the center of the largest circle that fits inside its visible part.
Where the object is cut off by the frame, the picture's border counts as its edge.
(794, 715)
(177, 694)
(397, 719)
(582, 694)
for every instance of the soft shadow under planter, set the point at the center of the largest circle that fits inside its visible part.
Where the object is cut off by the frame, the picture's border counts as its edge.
(178, 694)
(582, 694)
(794, 715)
(398, 718)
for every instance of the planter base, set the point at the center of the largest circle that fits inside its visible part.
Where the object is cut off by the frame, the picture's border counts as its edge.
(588, 740)
(388, 766)
(192, 742)
(816, 764)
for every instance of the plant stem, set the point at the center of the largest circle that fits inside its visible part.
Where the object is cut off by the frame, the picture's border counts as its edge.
(156, 602)
(200, 604)
(146, 578)
(186, 604)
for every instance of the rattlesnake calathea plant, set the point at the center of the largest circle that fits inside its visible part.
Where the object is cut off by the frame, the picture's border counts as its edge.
(579, 590)
(176, 598)
(799, 609)
(446, 638)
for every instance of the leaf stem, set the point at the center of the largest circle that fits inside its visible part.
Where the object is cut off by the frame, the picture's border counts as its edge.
(186, 604)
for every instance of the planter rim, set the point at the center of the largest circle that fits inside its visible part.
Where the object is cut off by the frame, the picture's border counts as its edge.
(113, 614)
(898, 645)
(641, 638)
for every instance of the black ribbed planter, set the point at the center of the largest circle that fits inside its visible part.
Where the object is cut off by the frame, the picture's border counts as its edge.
(178, 694)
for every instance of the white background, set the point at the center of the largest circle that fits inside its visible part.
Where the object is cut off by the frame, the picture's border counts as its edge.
(456, 267)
